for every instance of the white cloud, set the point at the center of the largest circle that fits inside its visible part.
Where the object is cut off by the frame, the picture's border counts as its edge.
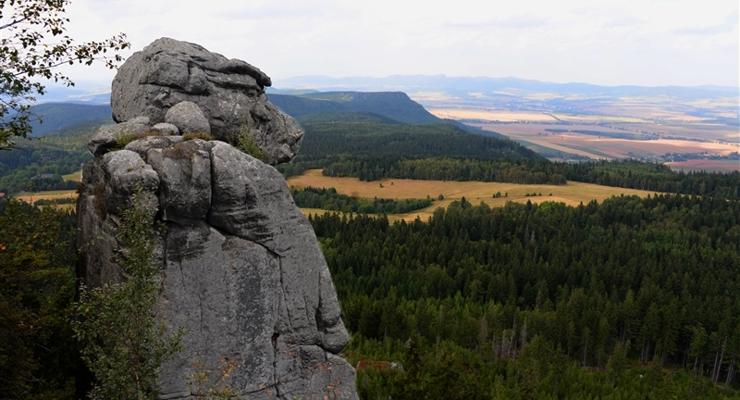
(654, 42)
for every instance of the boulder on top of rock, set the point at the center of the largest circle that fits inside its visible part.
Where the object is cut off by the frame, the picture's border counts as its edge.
(188, 118)
(230, 93)
(108, 136)
(166, 129)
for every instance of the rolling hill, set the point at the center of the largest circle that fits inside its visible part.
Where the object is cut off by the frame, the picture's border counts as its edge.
(56, 117)
(393, 105)
(359, 134)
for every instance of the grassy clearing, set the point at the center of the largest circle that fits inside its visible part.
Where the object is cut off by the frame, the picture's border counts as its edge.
(572, 194)
(32, 197)
(47, 195)
(73, 177)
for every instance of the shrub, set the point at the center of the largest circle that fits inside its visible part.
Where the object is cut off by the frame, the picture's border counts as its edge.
(122, 343)
(246, 143)
(127, 137)
(197, 135)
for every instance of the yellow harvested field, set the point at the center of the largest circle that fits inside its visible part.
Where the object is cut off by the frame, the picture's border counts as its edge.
(599, 147)
(679, 131)
(73, 177)
(626, 148)
(491, 115)
(572, 194)
(66, 207)
(30, 197)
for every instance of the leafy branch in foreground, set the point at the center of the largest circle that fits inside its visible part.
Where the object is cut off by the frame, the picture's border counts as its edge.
(33, 44)
(122, 343)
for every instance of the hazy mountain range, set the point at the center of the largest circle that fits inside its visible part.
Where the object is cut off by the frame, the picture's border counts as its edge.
(93, 94)
(393, 106)
(464, 85)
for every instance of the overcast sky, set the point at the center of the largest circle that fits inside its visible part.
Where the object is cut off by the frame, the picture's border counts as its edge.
(644, 42)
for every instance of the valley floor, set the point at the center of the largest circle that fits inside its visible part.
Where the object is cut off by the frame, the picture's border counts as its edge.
(573, 193)
(494, 194)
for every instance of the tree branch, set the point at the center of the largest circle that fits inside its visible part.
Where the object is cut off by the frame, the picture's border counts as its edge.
(12, 23)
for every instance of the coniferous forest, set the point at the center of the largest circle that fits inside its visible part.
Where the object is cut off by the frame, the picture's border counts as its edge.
(631, 298)
(329, 199)
(628, 299)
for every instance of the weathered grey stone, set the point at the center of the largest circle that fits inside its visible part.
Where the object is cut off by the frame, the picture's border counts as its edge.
(243, 277)
(143, 145)
(125, 174)
(231, 94)
(107, 136)
(251, 200)
(96, 240)
(223, 292)
(166, 129)
(185, 179)
(188, 118)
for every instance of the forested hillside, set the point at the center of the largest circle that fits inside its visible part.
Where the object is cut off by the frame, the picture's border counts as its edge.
(396, 106)
(483, 303)
(39, 163)
(652, 176)
(57, 146)
(329, 199)
(51, 118)
(369, 147)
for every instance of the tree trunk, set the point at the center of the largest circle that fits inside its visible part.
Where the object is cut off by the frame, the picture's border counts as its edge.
(719, 365)
(494, 349)
(714, 367)
(696, 364)
(730, 373)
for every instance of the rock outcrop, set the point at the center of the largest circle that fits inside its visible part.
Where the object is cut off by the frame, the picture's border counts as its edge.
(243, 276)
(230, 93)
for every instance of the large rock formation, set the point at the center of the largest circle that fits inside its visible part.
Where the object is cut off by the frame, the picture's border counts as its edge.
(231, 94)
(243, 276)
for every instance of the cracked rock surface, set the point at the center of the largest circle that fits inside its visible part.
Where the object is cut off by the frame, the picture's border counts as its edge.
(243, 277)
(229, 92)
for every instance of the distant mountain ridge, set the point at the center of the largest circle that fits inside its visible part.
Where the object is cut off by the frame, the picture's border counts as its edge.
(452, 84)
(397, 106)
(55, 117)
